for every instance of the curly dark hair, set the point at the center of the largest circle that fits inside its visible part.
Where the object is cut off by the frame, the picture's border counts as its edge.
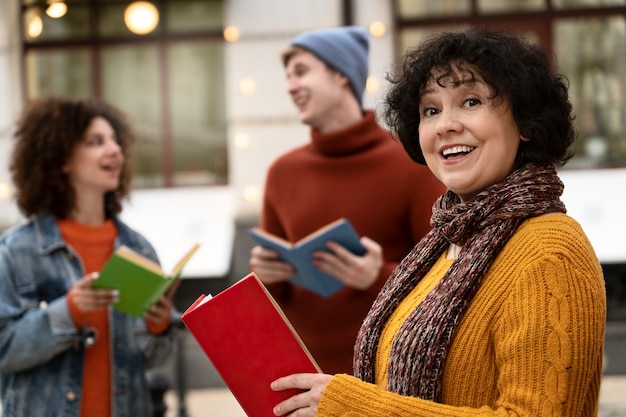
(515, 70)
(47, 132)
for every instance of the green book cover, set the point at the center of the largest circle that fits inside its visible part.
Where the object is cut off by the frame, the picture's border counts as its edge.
(139, 280)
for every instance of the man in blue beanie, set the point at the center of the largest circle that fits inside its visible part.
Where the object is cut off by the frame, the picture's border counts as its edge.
(351, 168)
(345, 50)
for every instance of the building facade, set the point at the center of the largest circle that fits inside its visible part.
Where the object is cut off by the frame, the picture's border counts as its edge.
(206, 90)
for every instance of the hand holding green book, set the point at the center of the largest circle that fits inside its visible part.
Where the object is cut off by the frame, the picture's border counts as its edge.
(139, 280)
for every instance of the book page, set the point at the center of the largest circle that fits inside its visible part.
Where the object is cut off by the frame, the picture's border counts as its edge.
(133, 256)
(205, 299)
(179, 266)
(320, 231)
(277, 239)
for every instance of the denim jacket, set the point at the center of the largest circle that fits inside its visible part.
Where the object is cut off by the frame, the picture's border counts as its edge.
(41, 351)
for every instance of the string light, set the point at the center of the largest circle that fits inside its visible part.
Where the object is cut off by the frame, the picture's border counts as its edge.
(56, 9)
(243, 141)
(231, 33)
(35, 24)
(251, 193)
(377, 29)
(247, 86)
(372, 85)
(141, 17)
(5, 191)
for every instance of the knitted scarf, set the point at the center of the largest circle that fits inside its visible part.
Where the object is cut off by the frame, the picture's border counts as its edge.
(481, 227)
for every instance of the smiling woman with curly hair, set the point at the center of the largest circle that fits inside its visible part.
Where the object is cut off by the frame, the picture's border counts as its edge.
(47, 133)
(500, 310)
(63, 349)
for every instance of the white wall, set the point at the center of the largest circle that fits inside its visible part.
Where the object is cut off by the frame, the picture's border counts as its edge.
(174, 219)
(10, 100)
(596, 198)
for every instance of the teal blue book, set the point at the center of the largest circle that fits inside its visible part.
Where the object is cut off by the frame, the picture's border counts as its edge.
(300, 253)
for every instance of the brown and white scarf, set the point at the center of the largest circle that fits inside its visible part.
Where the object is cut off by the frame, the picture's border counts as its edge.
(482, 227)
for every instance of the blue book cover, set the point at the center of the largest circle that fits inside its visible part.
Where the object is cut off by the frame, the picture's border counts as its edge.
(300, 253)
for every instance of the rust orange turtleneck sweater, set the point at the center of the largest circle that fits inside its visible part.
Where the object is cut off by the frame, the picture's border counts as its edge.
(362, 174)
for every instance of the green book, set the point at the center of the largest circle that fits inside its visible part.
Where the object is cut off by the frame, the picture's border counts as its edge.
(139, 280)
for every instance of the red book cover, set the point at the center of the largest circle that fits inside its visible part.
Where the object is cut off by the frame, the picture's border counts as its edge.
(250, 342)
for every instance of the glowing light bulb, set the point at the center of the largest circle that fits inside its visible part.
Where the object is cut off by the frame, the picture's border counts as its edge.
(372, 85)
(231, 33)
(35, 26)
(251, 193)
(377, 29)
(247, 86)
(141, 17)
(243, 141)
(56, 9)
(5, 191)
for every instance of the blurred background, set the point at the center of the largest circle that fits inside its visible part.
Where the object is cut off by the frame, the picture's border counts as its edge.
(204, 85)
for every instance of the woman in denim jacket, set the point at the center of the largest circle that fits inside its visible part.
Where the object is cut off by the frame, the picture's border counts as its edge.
(63, 350)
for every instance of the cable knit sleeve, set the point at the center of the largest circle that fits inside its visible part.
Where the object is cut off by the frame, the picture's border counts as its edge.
(549, 340)
(347, 396)
(531, 344)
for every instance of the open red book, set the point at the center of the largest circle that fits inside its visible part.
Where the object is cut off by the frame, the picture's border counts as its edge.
(250, 342)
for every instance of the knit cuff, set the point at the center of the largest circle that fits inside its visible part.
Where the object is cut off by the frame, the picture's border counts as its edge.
(344, 393)
(157, 329)
(348, 396)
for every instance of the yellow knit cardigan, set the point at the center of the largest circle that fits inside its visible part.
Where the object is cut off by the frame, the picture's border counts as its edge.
(530, 344)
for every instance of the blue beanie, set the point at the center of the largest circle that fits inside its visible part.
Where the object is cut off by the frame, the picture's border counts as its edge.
(344, 49)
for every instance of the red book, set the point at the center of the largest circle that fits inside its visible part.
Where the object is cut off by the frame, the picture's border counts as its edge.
(250, 342)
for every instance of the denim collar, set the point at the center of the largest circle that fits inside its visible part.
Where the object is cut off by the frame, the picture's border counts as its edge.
(47, 233)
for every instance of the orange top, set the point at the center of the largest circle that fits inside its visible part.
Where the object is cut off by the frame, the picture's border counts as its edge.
(94, 245)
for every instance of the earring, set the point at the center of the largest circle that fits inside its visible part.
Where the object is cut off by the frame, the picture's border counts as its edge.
(524, 139)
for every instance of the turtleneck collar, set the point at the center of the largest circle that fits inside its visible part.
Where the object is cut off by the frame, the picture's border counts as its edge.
(352, 139)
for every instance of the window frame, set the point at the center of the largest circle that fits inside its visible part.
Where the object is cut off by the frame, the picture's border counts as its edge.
(94, 43)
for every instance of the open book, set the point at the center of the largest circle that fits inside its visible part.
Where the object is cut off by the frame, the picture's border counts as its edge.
(139, 280)
(300, 253)
(250, 342)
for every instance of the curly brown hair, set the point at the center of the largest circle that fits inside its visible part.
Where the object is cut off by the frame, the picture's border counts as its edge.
(47, 132)
(516, 70)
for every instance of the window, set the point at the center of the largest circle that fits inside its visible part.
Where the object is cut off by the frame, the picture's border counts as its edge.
(169, 81)
(588, 38)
